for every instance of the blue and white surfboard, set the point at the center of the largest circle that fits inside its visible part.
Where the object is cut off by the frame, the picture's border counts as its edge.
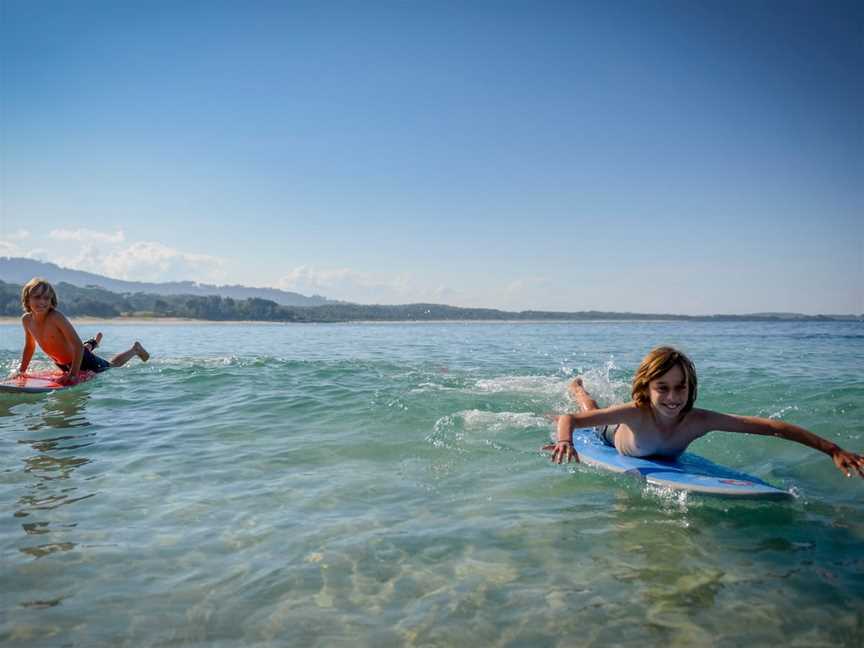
(688, 472)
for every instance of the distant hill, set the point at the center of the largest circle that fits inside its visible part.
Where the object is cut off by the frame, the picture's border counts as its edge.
(98, 302)
(20, 271)
(84, 293)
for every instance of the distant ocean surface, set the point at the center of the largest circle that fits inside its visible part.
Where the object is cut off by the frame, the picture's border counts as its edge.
(383, 485)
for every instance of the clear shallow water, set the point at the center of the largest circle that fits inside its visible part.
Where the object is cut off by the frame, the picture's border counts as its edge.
(382, 485)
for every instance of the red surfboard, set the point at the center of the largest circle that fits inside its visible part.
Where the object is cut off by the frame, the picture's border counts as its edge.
(40, 382)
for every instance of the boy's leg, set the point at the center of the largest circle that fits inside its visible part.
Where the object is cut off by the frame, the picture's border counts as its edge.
(586, 403)
(122, 358)
(582, 397)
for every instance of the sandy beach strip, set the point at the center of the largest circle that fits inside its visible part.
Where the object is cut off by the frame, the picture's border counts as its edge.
(137, 321)
(175, 321)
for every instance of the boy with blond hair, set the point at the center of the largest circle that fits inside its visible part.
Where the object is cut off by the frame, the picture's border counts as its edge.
(51, 330)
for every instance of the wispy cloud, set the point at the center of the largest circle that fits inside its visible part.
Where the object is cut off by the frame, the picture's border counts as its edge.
(363, 287)
(8, 248)
(11, 247)
(20, 234)
(109, 254)
(527, 290)
(10, 243)
(341, 283)
(85, 236)
(149, 261)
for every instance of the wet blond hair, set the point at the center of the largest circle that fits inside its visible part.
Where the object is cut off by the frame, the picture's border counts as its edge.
(655, 364)
(37, 286)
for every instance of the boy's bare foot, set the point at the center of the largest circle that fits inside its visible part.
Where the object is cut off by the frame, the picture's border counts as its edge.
(92, 343)
(578, 394)
(576, 387)
(141, 352)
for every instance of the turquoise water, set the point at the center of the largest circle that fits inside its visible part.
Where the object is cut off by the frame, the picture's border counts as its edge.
(382, 485)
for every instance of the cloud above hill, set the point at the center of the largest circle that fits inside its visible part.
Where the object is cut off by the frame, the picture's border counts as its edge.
(365, 287)
(87, 236)
(111, 254)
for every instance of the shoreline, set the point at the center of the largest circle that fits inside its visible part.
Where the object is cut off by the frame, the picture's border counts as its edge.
(89, 320)
(174, 321)
(122, 321)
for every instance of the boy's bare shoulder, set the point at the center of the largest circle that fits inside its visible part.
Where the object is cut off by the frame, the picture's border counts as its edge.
(696, 415)
(27, 321)
(701, 417)
(56, 317)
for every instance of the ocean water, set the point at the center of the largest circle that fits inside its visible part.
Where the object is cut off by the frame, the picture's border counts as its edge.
(383, 485)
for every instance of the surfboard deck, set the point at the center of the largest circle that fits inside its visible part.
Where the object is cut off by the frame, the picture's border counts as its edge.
(688, 472)
(40, 382)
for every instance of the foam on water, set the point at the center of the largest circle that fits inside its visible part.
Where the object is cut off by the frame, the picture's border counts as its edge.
(498, 421)
(543, 385)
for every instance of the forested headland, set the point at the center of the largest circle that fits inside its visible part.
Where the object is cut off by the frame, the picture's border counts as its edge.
(92, 301)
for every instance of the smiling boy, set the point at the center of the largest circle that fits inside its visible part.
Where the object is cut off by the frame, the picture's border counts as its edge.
(48, 327)
(661, 420)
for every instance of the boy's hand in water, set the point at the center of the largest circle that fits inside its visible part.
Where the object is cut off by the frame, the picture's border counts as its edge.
(848, 461)
(561, 449)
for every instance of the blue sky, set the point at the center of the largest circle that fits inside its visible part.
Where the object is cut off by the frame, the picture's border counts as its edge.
(687, 157)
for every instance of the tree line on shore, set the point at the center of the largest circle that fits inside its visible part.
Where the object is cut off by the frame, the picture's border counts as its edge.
(93, 301)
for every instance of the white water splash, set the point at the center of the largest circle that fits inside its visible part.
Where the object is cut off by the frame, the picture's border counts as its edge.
(498, 421)
(779, 414)
(453, 429)
(543, 385)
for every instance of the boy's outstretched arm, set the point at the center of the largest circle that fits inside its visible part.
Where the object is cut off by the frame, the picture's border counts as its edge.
(846, 461)
(27, 352)
(563, 447)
